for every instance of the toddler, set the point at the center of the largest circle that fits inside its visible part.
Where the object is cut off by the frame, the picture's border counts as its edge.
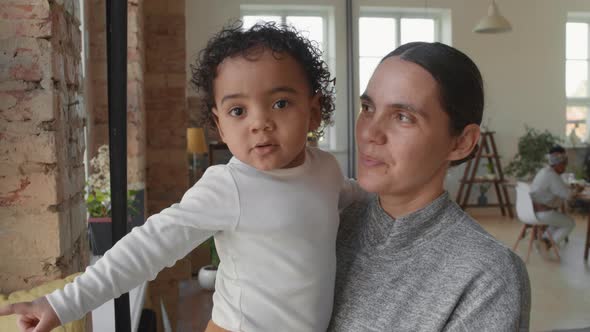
(273, 209)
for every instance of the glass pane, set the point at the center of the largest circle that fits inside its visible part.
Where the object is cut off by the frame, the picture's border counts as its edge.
(250, 20)
(577, 121)
(376, 36)
(580, 129)
(576, 78)
(312, 27)
(367, 66)
(576, 113)
(417, 29)
(576, 40)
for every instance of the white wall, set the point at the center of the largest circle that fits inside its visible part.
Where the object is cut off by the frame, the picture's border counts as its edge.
(524, 70)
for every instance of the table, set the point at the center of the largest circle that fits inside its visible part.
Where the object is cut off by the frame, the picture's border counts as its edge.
(584, 196)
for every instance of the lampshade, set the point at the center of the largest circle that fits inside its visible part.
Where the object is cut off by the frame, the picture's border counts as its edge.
(195, 139)
(494, 22)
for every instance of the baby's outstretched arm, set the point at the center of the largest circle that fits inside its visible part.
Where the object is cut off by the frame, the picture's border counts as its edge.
(208, 207)
(37, 316)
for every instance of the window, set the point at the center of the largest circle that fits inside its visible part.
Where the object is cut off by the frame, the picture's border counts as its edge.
(382, 30)
(312, 22)
(576, 77)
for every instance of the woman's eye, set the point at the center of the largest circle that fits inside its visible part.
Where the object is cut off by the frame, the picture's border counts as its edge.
(404, 118)
(236, 111)
(280, 104)
(364, 108)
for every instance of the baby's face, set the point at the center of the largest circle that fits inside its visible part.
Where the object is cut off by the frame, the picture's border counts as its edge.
(264, 109)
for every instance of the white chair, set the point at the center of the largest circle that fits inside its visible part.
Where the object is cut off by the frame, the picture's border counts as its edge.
(526, 214)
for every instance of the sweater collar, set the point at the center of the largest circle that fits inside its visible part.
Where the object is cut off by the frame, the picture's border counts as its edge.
(412, 230)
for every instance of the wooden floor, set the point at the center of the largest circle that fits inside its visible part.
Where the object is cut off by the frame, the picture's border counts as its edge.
(194, 307)
(560, 289)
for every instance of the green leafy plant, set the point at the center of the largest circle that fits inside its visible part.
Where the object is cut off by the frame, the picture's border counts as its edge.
(532, 148)
(490, 168)
(213, 251)
(210, 242)
(98, 187)
(483, 188)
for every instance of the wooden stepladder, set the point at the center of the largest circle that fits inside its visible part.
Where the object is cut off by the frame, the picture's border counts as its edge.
(487, 150)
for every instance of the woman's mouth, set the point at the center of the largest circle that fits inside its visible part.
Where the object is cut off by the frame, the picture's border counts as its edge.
(369, 161)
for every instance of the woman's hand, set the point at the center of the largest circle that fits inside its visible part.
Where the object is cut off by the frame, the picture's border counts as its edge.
(36, 316)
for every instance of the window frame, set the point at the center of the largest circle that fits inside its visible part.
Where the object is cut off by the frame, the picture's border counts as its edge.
(578, 101)
(400, 13)
(397, 14)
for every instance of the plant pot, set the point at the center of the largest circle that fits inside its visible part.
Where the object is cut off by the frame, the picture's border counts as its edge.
(207, 276)
(100, 234)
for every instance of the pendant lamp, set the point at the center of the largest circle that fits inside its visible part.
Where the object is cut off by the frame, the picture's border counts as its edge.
(494, 22)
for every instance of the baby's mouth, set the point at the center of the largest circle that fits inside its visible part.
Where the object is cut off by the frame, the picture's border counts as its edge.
(263, 145)
(265, 148)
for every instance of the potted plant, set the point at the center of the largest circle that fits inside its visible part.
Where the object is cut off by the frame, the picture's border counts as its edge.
(208, 273)
(532, 148)
(98, 203)
(483, 198)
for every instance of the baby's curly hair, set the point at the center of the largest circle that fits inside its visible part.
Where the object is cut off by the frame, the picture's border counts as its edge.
(278, 38)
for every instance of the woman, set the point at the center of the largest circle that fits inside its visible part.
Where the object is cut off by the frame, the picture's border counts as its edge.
(410, 259)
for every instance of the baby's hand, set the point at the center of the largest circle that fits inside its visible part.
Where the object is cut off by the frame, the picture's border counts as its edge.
(36, 316)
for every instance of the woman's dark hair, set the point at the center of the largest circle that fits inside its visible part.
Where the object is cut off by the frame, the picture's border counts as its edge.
(233, 40)
(459, 83)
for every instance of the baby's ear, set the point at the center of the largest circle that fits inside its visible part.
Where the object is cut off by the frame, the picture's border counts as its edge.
(216, 120)
(315, 112)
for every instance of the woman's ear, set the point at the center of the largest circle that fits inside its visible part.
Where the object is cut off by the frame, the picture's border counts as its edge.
(465, 143)
(315, 112)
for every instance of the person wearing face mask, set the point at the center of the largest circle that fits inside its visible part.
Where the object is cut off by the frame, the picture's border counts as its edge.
(548, 192)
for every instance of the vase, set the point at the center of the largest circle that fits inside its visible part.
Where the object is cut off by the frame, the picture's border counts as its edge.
(207, 276)
(482, 199)
(100, 234)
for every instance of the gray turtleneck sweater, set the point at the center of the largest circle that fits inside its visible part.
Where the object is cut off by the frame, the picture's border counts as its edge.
(435, 269)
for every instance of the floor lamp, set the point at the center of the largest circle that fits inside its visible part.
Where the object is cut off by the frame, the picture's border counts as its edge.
(197, 149)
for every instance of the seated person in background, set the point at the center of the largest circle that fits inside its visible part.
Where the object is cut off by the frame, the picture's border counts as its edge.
(548, 191)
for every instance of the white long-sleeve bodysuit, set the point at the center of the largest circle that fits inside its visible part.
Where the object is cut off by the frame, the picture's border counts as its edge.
(275, 234)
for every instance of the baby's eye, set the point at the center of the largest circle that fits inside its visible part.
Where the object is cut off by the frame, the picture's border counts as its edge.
(280, 104)
(236, 112)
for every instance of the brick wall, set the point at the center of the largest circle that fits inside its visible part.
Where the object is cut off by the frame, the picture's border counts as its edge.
(165, 97)
(42, 211)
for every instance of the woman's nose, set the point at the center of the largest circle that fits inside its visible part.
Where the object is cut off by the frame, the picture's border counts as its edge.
(371, 131)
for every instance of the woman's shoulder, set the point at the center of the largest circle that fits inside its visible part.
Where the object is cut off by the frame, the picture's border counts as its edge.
(357, 218)
(478, 250)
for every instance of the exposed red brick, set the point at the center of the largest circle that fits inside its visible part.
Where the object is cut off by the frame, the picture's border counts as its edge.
(34, 10)
(13, 197)
(41, 144)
